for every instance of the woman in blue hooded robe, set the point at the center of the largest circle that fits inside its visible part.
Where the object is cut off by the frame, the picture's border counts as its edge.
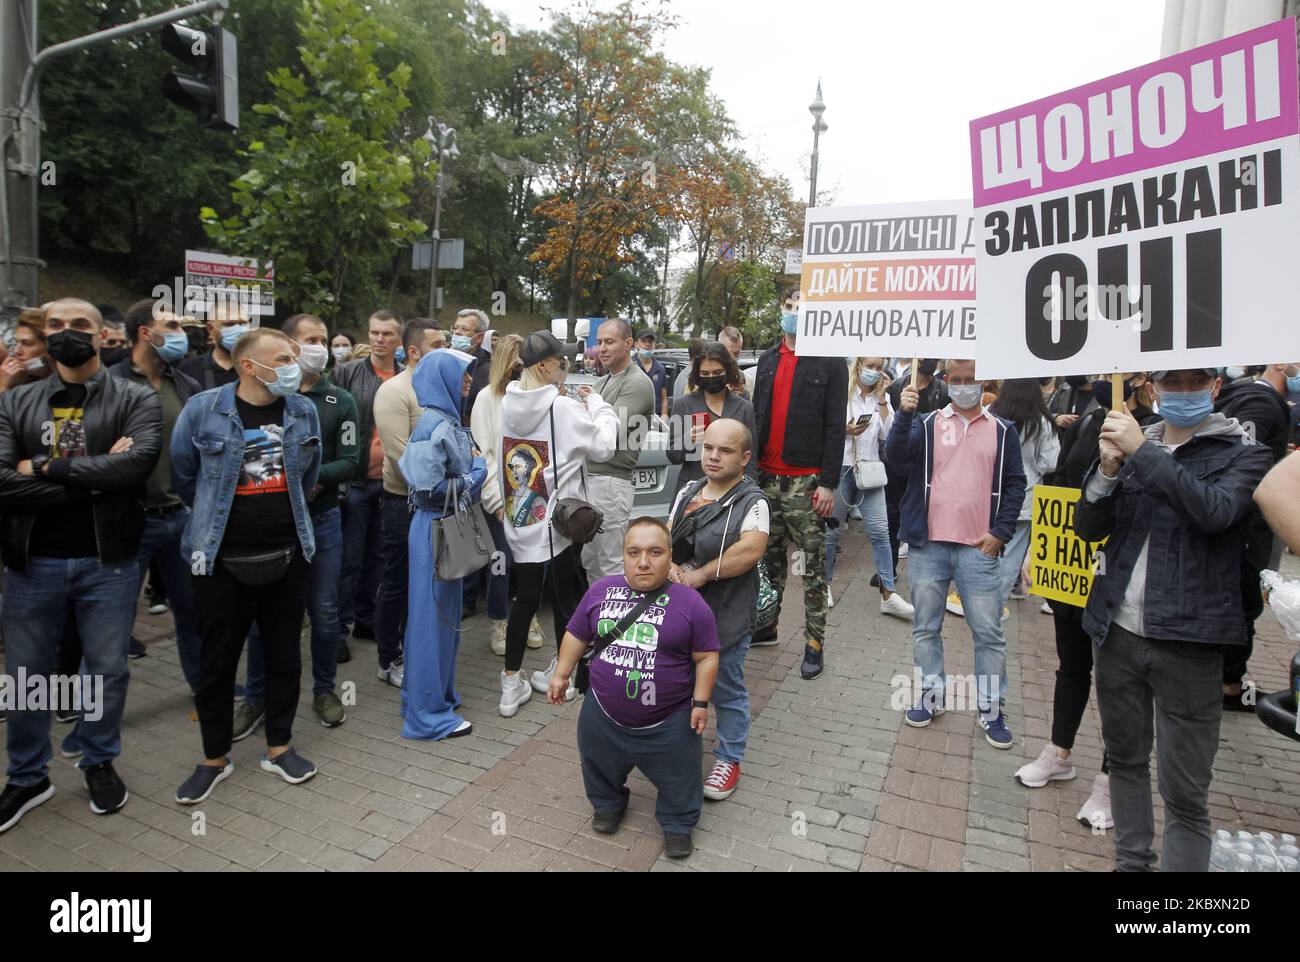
(440, 451)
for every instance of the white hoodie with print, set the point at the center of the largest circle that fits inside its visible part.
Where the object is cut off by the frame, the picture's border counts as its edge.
(528, 456)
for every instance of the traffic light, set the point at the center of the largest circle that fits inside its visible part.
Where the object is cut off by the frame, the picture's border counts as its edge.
(212, 92)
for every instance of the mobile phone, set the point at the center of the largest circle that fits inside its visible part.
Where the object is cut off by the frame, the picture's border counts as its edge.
(864, 419)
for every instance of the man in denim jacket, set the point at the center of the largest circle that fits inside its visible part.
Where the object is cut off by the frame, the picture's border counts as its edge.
(245, 458)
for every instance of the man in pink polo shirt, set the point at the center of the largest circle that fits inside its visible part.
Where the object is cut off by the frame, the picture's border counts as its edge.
(966, 483)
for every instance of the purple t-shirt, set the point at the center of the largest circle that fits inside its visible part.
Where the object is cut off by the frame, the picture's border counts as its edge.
(647, 674)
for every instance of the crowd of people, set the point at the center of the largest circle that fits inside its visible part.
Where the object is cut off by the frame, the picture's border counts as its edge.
(251, 476)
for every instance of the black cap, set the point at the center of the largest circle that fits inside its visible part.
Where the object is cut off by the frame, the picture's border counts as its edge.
(1161, 375)
(538, 346)
(644, 334)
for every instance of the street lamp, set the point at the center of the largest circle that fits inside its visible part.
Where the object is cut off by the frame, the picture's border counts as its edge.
(442, 147)
(816, 108)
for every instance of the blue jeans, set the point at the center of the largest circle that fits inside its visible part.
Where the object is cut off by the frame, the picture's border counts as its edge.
(37, 602)
(322, 608)
(359, 577)
(875, 521)
(390, 610)
(731, 703)
(931, 567)
(1013, 556)
(162, 540)
(498, 584)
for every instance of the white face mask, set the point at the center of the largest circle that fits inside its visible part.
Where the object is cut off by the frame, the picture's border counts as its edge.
(312, 358)
(34, 365)
(965, 396)
(342, 354)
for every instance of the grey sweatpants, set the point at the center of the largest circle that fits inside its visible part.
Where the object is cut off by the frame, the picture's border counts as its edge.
(668, 754)
(1182, 682)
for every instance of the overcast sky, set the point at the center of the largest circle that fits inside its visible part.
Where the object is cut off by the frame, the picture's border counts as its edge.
(901, 80)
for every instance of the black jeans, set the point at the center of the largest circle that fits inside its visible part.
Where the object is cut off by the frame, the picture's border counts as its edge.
(1236, 656)
(1073, 684)
(226, 610)
(390, 610)
(563, 581)
(895, 488)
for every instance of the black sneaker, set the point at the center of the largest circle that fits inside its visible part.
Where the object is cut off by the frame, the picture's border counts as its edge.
(812, 663)
(16, 801)
(66, 715)
(345, 653)
(606, 822)
(678, 845)
(764, 636)
(200, 785)
(137, 649)
(107, 791)
(363, 631)
(875, 580)
(290, 766)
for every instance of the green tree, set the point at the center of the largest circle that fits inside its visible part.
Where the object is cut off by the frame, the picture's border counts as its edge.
(325, 191)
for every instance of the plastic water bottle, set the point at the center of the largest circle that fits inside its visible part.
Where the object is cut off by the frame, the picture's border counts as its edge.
(1221, 853)
(1243, 863)
(1290, 863)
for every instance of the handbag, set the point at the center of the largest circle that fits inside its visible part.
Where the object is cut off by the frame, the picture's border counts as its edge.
(461, 543)
(256, 570)
(582, 675)
(767, 599)
(574, 518)
(868, 474)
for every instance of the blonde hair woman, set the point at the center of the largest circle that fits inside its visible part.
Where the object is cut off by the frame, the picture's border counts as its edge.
(869, 418)
(485, 425)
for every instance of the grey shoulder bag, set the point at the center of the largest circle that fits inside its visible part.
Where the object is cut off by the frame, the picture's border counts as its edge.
(461, 543)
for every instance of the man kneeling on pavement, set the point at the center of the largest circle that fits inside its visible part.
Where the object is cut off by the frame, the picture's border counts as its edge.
(651, 676)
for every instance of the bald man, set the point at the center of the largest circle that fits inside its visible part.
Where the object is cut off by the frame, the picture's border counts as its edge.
(75, 452)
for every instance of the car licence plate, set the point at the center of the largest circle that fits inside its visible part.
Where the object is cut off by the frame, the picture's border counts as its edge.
(645, 479)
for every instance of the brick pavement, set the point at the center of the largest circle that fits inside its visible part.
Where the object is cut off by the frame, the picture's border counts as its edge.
(833, 781)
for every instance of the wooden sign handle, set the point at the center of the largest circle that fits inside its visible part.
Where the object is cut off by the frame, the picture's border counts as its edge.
(1117, 392)
(915, 362)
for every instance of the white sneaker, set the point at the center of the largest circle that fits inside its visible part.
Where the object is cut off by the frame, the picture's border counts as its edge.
(902, 551)
(514, 692)
(898, 606)
(1096, 810)
(1047, 767)
(830, 598)
(1046, 608)
(394, 673)
(499, 636)
(542, 682)
(535, 637)
(1006, 612)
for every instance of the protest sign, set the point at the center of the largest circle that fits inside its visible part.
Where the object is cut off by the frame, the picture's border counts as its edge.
(1061, 565)
(216, 278)
(1145, 221)
(892, 280)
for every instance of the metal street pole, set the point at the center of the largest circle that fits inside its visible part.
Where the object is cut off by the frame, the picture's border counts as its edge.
(816, 108)
(20, 135)
(437, 235)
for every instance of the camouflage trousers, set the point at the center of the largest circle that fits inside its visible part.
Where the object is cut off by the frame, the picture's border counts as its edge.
(795, 522)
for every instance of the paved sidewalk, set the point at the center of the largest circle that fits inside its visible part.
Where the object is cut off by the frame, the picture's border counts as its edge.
(833, 780)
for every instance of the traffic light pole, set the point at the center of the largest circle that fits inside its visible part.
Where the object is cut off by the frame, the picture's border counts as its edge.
(20, 136)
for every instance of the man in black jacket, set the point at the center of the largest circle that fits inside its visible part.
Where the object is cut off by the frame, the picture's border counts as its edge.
(1165, 602)
(158, 343)
(1261, 408)
(933, 397)
(799, 407)
(362, 529)
(467, 335)
(75, 452)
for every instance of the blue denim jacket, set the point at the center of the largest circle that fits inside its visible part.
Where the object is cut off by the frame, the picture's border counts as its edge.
(207, 452)
(440, 449)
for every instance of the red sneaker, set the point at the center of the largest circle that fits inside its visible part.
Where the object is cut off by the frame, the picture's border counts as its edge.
(722, 780)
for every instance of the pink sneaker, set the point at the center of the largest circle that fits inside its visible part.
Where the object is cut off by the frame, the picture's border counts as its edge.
(1047, 767)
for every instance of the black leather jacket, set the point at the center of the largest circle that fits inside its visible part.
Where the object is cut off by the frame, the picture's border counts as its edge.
(814, 425)
(359, 379)
(114, 408)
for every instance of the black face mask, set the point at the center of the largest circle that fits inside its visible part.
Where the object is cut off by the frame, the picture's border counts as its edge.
(1076, 380)
(712, 385)
(70, 348)
(927, 367)
(111, 355)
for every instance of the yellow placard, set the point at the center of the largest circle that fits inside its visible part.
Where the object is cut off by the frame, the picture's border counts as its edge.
(1061, 565)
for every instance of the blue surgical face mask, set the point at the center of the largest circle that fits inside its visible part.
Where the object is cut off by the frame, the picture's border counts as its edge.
(461, 342)
(869, 378)
(175, 345)
(789, 322)
(1186, 409)
(400, 356)
(1293, 384)
(287, 379)
(229, 335)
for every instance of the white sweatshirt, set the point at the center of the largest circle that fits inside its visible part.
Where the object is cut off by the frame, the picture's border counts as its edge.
(527, 459)
(485, 425)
